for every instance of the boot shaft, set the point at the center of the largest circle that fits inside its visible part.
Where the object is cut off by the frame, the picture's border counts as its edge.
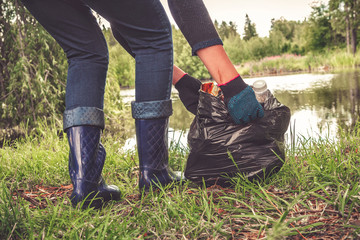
(152, 144)
(87, 155)
(86, 161)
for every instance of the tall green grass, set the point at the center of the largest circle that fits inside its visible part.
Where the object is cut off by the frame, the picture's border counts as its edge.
(289, 63)
(316, 194)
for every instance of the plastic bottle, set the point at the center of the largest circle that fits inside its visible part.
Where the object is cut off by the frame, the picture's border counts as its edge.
(260, 89)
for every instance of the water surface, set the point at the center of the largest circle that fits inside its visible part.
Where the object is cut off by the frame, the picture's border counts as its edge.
(320, 104)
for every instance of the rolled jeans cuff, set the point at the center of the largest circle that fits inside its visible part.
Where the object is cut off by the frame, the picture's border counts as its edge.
(90, 116)
(205, 44)
(151, 109)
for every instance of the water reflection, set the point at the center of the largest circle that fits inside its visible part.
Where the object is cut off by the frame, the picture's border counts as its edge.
(320, 104)
(331, 102)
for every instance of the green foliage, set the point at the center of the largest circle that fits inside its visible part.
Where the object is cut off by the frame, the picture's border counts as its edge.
(284, 37)
(33, 67)
(318, 31)
(226, 30)
(184, 59)
(121, 67)
(274, 65)
(283, 26)
(338, 59)
(240, 51)
(33, 70)
(346, 20)
(235, 47)
(121, 63)
(257, 48)
(342, 60)
(290, 63)
(276, 42)
(249, 29)
(340, 26)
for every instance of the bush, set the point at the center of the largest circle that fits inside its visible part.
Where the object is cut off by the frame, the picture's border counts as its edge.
(33, 67)
(121, 63)
(183, 58)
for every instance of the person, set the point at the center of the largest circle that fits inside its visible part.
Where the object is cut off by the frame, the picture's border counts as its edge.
(195, 23)
(145, 28)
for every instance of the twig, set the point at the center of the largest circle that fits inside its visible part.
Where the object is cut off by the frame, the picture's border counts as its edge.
(35, 203)
(5, 96)
(12, 231)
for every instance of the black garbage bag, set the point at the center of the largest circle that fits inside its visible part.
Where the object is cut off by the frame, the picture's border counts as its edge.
(220, 149)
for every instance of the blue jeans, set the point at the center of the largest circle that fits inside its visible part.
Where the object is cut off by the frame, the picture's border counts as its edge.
(144, 26)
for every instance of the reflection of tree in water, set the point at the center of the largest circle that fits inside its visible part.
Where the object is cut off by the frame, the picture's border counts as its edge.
(354, 99)
(338, 102)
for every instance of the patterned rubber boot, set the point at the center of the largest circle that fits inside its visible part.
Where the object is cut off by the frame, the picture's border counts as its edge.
(152, 144)
(86, 161)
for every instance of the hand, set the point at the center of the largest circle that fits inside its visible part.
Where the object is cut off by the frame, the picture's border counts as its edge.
(244, 108)
(188, 88)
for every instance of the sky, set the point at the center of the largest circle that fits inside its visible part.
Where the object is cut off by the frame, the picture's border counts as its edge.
(260, 11)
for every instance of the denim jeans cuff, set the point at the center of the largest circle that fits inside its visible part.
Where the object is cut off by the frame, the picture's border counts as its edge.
(205, 44)
(80, 116)
(151, 109)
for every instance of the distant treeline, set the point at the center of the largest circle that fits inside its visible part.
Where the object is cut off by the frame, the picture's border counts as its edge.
(33, 67)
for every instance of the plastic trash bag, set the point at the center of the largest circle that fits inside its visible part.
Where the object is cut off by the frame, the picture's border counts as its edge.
(220, 149)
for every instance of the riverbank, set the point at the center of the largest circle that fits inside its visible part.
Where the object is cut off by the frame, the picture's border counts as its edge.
(287, 64)
(291, 63)
(315, 195)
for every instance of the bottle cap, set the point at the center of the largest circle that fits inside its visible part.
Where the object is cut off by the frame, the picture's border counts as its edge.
(259, 86)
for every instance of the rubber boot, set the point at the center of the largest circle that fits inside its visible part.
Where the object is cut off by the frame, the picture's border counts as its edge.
(152, 144)
(86, 161)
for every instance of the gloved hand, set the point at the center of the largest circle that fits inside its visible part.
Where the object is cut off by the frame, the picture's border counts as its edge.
(188, 88)
(241, 101)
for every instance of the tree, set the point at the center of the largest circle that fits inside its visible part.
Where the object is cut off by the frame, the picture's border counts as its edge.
(283, 26)
(32, 68)
(340, 21)
(183, 58)
(226, 30)
(235, 48)
(284, 36)
(299, 40)
(346, 17)
(249, 29)
(318, 30)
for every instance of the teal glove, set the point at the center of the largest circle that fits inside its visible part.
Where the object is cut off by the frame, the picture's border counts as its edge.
(244, 108)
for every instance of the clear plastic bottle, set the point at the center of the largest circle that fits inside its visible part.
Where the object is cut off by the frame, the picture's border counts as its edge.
(261, 91)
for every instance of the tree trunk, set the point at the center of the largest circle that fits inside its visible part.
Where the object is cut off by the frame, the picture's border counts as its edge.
(353, 39)
(3, 30)
(347, 33)
(354, 24)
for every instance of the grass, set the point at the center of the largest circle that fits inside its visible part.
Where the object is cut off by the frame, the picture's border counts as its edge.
(289, 63)
(316, 194)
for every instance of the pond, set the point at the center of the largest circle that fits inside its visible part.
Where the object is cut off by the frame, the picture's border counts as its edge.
(320, 104)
